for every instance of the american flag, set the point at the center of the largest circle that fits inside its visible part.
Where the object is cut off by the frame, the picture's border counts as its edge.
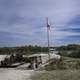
(48, 25)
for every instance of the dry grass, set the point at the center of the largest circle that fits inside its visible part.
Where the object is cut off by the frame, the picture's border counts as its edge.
(64, 69)
(57, 75)
(63, 63)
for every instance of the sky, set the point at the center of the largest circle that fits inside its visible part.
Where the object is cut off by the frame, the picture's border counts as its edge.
(23, 22)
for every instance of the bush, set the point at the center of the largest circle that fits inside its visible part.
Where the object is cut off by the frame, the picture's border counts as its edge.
(63, 63)
(56, 64)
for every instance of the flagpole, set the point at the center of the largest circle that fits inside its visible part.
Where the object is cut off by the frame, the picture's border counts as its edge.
(48, 27)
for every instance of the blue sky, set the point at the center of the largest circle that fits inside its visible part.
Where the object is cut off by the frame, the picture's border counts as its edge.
(23, 22)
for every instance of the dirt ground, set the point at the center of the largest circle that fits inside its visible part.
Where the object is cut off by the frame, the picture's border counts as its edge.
(15, 74)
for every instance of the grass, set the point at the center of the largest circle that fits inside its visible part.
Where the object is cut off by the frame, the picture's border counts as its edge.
(57, 75)
(64, 69)
(63, 63)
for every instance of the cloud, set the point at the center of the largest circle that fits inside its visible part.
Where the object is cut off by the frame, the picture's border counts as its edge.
(23, 22)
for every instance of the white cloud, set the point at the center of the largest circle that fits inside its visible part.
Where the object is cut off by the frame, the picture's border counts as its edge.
(25, 19)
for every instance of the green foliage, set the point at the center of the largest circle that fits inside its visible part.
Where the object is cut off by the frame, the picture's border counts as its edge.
(63, 63)
(23, 49)
(56, 65)
(71, 50)
(63, 50)
(63, 53)
(75, 54)
(69, 47)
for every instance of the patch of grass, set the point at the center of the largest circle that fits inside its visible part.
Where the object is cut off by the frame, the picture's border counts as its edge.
(63, 63)
(63, 69)
(57, 75)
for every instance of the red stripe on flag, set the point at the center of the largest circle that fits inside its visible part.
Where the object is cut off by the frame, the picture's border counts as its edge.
(48, 25)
